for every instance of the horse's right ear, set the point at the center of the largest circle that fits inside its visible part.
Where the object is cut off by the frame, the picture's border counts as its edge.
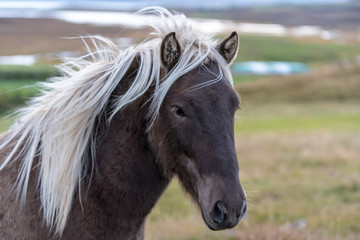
(170, 50)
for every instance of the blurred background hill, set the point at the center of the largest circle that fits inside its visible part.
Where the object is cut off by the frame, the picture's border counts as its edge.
(297, 135)
(345, 15)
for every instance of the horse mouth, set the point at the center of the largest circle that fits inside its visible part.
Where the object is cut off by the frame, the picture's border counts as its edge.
(214, 226)
(210, 224)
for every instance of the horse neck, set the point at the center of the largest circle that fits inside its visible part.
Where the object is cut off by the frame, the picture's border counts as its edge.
(128, 180)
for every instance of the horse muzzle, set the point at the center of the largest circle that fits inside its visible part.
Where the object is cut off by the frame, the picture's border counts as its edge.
(220, 217)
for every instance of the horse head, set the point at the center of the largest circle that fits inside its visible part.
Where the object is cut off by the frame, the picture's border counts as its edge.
(194, 135)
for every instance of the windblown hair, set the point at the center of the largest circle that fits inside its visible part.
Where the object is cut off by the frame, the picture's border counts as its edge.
(58, 128)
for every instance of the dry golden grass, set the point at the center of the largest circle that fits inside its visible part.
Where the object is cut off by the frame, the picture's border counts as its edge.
(285, 232)
(313, 176)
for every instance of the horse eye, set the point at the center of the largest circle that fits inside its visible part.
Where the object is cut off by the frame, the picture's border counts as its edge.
(178, 111)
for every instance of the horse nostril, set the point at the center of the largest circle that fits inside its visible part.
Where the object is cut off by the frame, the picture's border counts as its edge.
(218, 214)
(243, 210)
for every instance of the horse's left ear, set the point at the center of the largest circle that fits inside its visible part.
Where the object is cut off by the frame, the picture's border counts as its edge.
(229, 46)
(170, 50)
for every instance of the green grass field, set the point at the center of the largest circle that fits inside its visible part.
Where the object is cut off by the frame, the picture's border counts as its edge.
(311, 51)
(14, 93)
(17, 84)
(35, 72)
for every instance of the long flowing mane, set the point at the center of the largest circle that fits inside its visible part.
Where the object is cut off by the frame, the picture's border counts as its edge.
(58, 128)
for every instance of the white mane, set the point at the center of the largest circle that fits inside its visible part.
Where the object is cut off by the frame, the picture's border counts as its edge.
(58, 127)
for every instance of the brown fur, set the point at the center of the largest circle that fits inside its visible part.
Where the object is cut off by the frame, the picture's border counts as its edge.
(135, 166)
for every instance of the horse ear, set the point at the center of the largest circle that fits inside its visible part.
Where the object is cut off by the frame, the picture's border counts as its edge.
(229, 46)
(170, 50)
